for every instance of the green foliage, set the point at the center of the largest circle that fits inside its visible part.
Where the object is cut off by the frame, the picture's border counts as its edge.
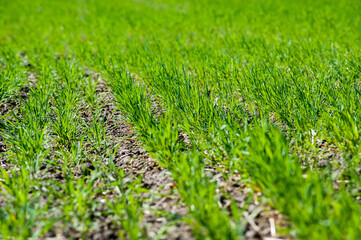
(257, 88)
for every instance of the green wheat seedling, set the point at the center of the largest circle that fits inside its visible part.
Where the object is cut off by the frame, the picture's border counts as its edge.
(23, 216)
(330, 214)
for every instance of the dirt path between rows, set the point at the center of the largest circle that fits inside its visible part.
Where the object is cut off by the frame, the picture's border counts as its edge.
(132, 158)
(261, 220)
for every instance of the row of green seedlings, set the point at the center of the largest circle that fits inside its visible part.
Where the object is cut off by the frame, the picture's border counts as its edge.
(308, 91)
(297, 98)
(304, 98)
(11, 76)
(242, 143)
(319, 101)
(161, 139)
(224, 114)
(46, 132)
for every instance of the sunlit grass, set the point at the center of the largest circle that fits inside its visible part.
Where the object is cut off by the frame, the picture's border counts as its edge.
(260, 88)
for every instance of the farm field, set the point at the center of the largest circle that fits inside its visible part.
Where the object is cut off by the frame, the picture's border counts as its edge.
(167, 119)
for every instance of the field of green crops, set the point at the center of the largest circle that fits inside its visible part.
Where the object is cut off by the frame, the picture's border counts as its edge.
(165, 119)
